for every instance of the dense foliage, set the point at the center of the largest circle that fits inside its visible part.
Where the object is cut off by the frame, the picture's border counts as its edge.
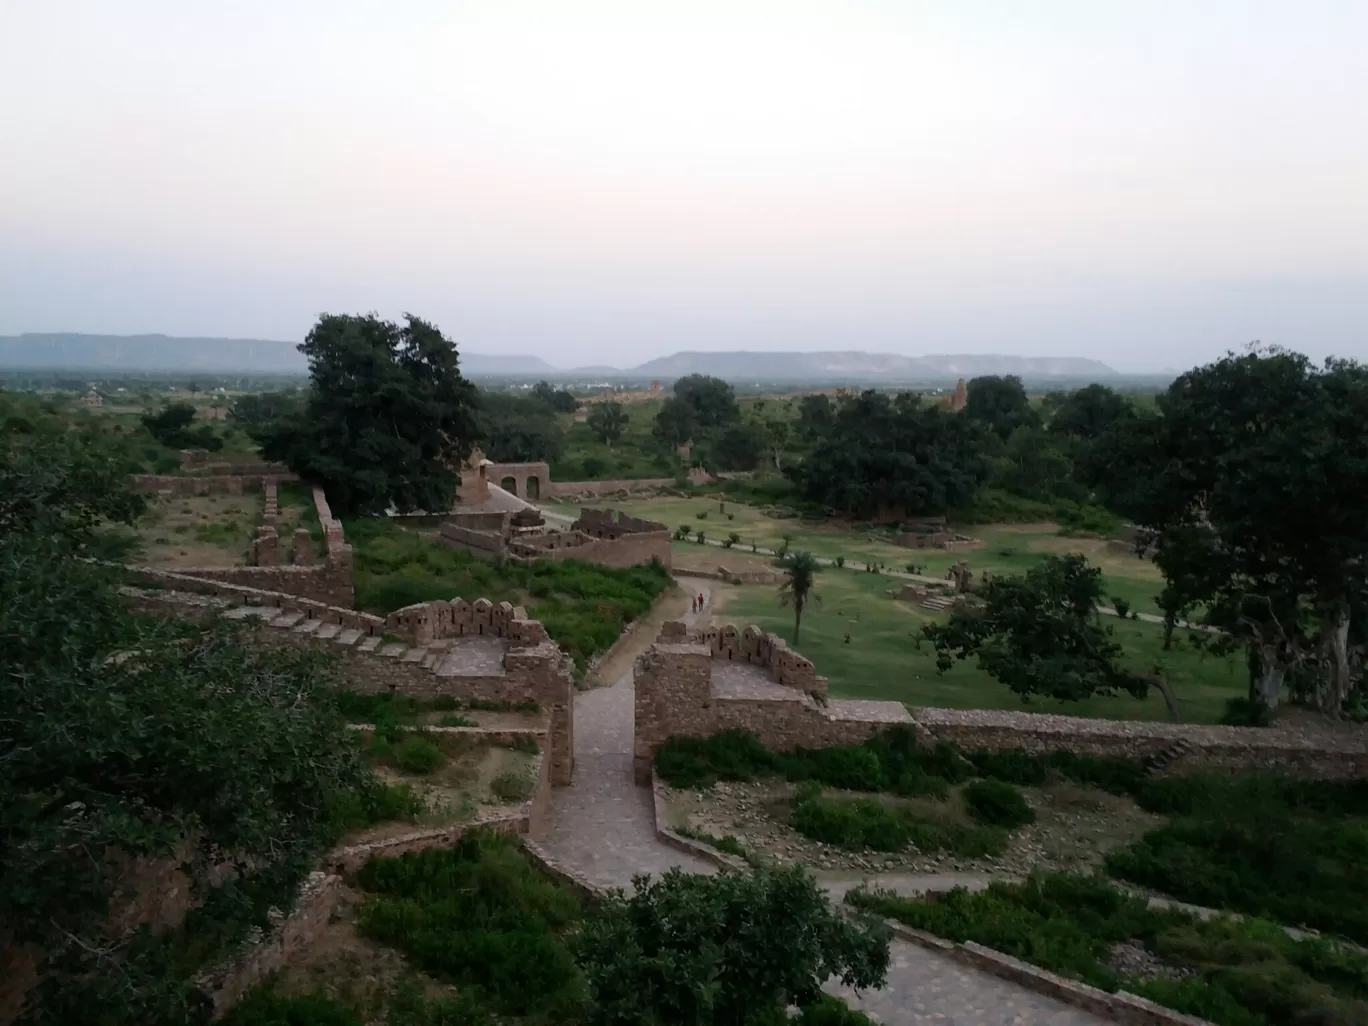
(479, 916)
(1040, 634)
(1251, 479)
(388, 420)
(171, 427)
(123, 738)
(518, 429)
(876, 454)
(583, 606)
(868, 823)
(1231, 973)
(726, 950)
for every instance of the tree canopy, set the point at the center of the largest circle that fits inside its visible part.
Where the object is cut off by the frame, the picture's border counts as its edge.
(607, 421)
(518, 429)
(884, 455)
(1000, 404)
(558, 399)
(389, 418)
(171, 427)
(1252, 479)
(1040, 634)
(124, 738)
(725, 950)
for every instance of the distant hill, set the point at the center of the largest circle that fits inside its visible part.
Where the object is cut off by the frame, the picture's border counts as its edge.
(854, 366)
(164, 353)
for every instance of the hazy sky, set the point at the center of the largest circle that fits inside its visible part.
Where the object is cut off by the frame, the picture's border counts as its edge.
(1147, 183)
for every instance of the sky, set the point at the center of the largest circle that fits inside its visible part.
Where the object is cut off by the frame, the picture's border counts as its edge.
(1146, 184)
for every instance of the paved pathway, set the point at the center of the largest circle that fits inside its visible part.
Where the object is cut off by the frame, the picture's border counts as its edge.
(604, 827)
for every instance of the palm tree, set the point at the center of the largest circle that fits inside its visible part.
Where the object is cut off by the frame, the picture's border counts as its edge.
(800, 570)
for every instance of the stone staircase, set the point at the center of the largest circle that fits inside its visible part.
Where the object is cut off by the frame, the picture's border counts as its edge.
(437, 656)
(936, 602)
(1163, 759)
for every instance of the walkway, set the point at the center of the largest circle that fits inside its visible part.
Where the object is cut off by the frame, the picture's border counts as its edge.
(604, 827)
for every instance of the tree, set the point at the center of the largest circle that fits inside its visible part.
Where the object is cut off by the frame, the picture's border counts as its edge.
(725, 950)
(257, 409)
(736, 447)
(1041, 634)
(1255, 494)
(1089, 412)
(711, 399)
(676, 423)
(123, 738)
(558, 399)
(607, 421)
(388, 421)
(999, 404)
(816, 416)
(891, 456)
(171, 427)
(518, 429)
(800, 575)
(1032, 465)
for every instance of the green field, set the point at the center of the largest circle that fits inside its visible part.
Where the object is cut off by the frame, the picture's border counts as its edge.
(882, 659)
(1009, 549)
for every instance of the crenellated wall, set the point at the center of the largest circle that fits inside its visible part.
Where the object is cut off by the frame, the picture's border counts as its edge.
(697, 683)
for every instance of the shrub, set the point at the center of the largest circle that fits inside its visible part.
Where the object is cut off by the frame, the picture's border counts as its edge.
(480, 916)
(262, 1006)
(700, 762)
(512, 786)
(418, 755)
(867, 823)
(702, 514)
(852, 768)
(700, 537)
(1122, 606)
(455, 720)
(830, 1011)
(840, 561)
(1245, 712)
(997, 803)
(374, 803)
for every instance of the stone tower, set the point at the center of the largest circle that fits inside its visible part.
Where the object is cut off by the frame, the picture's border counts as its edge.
(960, 397)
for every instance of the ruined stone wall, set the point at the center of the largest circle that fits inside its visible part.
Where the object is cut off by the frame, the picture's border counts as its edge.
(178, 486)
(752, 645)
(1199, 747)
(231, 591)
(469, 533)
(628, 550)
(611, 523)
(563, 489)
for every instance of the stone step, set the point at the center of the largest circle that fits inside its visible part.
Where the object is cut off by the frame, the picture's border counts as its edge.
(429, 659)
(348, 636)
(328, 631)
(413, 655)
(394, 651)
(241, 612)
(308, 626)
(369, 643)
(287, 620)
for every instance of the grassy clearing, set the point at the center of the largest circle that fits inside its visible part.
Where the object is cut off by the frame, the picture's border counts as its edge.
(584, 607)
(200, 530)
(881, 659)
(1232, 973)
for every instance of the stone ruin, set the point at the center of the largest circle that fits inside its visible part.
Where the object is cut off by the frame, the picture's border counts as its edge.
(699, 682)
(602, 536)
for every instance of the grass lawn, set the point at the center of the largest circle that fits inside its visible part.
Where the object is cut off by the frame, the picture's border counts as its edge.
(882, 660)
(1010, 548)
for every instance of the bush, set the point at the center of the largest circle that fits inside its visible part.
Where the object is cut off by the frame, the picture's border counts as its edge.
(374, 803)
(1122, 606)
(866, 823)
(996, 803)
(840, 561)
(1245, 712)
(480, 916)
(262, 1006)
(418, 755)
(511, 786)
(700, 762)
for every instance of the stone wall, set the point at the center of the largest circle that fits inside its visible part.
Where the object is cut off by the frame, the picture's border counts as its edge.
(566, 489)
(531, 481)
(678, 693)
(624, 551)
(1319, 754)
(179, 486)
(481, 533)
(329, 581)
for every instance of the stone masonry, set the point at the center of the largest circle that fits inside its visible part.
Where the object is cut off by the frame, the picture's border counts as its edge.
(697, 683)
(601, 536)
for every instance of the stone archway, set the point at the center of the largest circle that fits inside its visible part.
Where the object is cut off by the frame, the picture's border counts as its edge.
(532, 489)
(510, 485)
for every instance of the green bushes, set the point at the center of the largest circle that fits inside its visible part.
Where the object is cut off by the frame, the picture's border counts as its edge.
(373, 803)
(1238, 973)
(867, 823)
(701, 761)
(418, 755)
(512, 786)
(479, 916)
(996, 803)
(583, 606)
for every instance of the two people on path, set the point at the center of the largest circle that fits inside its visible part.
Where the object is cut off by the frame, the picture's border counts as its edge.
(696, 604)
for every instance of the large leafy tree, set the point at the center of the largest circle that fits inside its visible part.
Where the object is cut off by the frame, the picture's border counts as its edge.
(1000, 404)
(1261, 514)
(726, 950)
(388, 421)
(171, 427)
(1087, 413)
(123, 738)
(607, 422)
(897, 456)
(1041, 635)
(517, 429)
(558, 399)
(712, 400)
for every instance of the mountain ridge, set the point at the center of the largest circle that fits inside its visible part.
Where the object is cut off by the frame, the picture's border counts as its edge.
(168, 353)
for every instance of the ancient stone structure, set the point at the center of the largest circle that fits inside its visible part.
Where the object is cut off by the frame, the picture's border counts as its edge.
(697, 683)
(960, 398)
(529, 481)
(933, 533)
(962, 576)
(327, 580)
(600, 536)
(474, 487)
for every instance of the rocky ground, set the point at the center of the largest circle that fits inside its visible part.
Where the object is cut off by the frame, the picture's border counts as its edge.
(1075, 827)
